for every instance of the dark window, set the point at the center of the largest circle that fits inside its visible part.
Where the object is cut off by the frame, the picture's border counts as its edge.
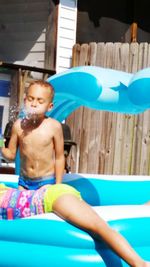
(110, 21)
(1, 115)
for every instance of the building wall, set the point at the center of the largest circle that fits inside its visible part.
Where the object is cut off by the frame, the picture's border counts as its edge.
(66, 33)
(110, 21)
(23, 26)
(22, 31)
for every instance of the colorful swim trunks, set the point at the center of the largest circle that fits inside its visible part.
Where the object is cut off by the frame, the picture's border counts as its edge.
(20, 204)
(34, 184)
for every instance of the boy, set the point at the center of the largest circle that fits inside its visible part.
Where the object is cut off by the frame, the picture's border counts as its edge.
(42, 163)
(37, 137)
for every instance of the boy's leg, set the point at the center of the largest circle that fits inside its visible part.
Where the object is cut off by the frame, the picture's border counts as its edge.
(21, 188)
(82, 215)
(147, 203)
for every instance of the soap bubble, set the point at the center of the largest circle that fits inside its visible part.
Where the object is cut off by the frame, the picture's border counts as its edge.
(13, 112)
(29, 118)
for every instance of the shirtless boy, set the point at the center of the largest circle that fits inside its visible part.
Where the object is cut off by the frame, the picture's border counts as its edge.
(40, 140)
(37, 137)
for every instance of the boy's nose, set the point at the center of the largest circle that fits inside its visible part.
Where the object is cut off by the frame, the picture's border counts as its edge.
(34, 103)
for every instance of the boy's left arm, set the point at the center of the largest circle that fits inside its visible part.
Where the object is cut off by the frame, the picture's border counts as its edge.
(10, 151)
(59, 154)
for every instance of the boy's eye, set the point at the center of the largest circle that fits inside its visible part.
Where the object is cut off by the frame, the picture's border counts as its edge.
(41, 101)
(29, 98)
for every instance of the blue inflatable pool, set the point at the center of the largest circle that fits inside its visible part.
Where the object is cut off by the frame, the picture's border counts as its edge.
(47, 240)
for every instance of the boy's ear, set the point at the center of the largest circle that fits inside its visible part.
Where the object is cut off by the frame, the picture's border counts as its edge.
(24, 98)
(50, 106)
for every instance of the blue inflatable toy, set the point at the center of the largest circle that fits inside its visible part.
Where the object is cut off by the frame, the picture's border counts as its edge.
(46, 240)
(101, 89)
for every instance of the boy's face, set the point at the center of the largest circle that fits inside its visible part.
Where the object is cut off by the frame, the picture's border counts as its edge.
(38, 100)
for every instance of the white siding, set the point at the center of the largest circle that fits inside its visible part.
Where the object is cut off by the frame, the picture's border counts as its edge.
(22, 37)
(23, 28)
(66, 35)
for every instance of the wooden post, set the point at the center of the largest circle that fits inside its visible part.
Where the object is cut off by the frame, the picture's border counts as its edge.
(14, 95)
(134, 29)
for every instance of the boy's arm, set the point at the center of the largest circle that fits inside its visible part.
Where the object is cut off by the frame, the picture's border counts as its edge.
(59, 154)
(10, 152)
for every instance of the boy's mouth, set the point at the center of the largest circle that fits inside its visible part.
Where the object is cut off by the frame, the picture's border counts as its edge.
(32, 116)
(31, 119)
(31, 122)
(31, 113)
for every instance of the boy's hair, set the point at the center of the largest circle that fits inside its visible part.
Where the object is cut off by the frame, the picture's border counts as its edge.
(45, 85)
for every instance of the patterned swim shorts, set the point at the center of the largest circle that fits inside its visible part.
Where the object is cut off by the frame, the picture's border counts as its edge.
(19, 204)
(16, 204)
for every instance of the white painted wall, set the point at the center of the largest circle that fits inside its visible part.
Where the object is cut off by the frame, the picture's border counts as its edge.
(23, 30)
(66, 34)
(22, 37)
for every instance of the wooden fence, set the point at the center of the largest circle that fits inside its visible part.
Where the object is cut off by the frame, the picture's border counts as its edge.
(111, 143)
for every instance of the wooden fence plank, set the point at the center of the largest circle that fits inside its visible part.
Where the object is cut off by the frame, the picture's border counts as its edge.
(108, 55)
(127, 144)
(143, 51)
(110, 142)
(124, 57)
(75, 55)
(84, 55)
(84, 144)
(118, 144)
(145, 141)
(93, 146)
(134, 57)
(99, 55)
(75, 123)
(116, 56)
(102, 145)
(148, 56)
(92, 53)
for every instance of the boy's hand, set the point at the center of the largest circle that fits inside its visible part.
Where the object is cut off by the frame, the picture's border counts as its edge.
(2, 142)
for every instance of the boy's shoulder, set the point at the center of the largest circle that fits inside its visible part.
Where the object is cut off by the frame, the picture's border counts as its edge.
(53, 122)
(17, 123)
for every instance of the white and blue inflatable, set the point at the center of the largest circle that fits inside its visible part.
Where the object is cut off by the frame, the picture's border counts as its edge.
(46, 240)
(101, 89)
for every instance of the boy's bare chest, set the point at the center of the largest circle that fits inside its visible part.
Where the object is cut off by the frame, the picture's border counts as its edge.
(35, 138)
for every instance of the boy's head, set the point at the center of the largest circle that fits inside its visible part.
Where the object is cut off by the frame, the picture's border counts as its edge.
(39, 97)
